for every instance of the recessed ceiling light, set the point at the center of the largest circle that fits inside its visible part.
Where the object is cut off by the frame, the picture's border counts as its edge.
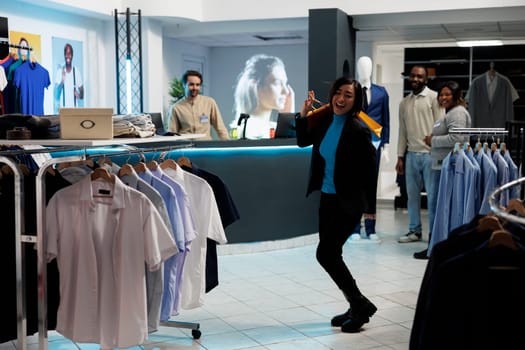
(279, 37)
(470, 43)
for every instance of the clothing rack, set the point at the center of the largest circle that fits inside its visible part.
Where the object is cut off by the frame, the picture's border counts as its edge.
(499, 211)
(16, 46)
(66, 145)
(20, 268)
(479, 131)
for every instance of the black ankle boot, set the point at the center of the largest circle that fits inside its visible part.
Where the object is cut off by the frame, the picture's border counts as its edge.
(362, 310)
(337, 321)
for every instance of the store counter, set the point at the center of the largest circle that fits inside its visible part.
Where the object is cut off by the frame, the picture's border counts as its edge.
(267, 180)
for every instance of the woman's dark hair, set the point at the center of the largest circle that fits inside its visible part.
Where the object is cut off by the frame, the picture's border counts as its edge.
(457, 95)
(358, 91)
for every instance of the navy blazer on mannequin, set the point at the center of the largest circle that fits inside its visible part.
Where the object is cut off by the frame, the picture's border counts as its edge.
(379, 111)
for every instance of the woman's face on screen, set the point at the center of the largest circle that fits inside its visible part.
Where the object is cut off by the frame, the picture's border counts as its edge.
(273, 92)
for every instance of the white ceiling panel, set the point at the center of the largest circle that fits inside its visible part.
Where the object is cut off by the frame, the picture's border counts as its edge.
(433, 26)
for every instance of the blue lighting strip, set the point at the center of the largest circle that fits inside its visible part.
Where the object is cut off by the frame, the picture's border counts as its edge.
(191, 152)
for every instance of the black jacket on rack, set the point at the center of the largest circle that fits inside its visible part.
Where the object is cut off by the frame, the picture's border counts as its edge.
(471, 296)
(8, 305)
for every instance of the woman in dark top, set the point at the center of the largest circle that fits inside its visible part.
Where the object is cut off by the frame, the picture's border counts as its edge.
(343, 169)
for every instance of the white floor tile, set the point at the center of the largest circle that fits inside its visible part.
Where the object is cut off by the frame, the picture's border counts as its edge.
(281, 299)
(273, 334)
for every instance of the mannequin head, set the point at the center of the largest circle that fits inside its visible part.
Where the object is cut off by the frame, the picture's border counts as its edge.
(364, 70)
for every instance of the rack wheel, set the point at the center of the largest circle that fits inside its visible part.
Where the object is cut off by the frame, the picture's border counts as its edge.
(196, 333)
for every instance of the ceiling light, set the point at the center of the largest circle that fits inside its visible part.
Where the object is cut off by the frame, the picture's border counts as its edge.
(470, 43)
(280, 37)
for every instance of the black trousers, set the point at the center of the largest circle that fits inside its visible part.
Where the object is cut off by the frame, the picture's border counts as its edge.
(337, 220)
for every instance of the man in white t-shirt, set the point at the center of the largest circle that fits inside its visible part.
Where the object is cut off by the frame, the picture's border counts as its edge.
(69, 87)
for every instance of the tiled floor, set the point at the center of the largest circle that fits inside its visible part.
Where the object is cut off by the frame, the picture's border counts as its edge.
(281, 299)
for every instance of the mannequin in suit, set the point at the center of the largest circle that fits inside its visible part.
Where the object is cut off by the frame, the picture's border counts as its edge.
(376, 106)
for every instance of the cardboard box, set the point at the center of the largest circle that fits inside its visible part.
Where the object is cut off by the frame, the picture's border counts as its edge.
(86, 123)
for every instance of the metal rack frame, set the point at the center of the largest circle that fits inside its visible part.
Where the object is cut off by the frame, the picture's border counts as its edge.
(67, 145)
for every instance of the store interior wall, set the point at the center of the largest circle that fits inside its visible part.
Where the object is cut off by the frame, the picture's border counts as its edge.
(97, 35)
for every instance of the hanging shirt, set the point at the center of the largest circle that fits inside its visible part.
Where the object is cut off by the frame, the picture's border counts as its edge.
(229, 214)
(503, 176)
(209, 225)
(174, 267)
(455, 202)
(3, 79)
(174, 212)
(154, 279)
(488, 180)
(101, 245)
(513, 175)
(31, 79)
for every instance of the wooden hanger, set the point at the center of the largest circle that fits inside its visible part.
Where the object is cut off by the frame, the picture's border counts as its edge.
(152, 165)
(62, 166)
(101, 173)
(489, 223)
(502, 238)
(51, 170)
(169, 163)
(6, 169)
(140, 167)
(184, 161)
(104, 160)
(24, 169)
(126, 169)
(88, 162)
(517, 206)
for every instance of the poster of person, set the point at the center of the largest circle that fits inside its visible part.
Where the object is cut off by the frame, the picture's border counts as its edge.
(31, 41)
(28, 80)
(262, 90)
(69, 86)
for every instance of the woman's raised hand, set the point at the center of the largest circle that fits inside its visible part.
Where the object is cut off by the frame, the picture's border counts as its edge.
(308, 103)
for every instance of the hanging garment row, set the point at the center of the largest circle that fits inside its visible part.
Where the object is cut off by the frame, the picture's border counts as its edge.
(26, 83)
(469, 175)
(471, 296)
(190, 198)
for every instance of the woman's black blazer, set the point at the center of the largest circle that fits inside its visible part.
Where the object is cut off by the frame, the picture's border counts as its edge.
(355, 175)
